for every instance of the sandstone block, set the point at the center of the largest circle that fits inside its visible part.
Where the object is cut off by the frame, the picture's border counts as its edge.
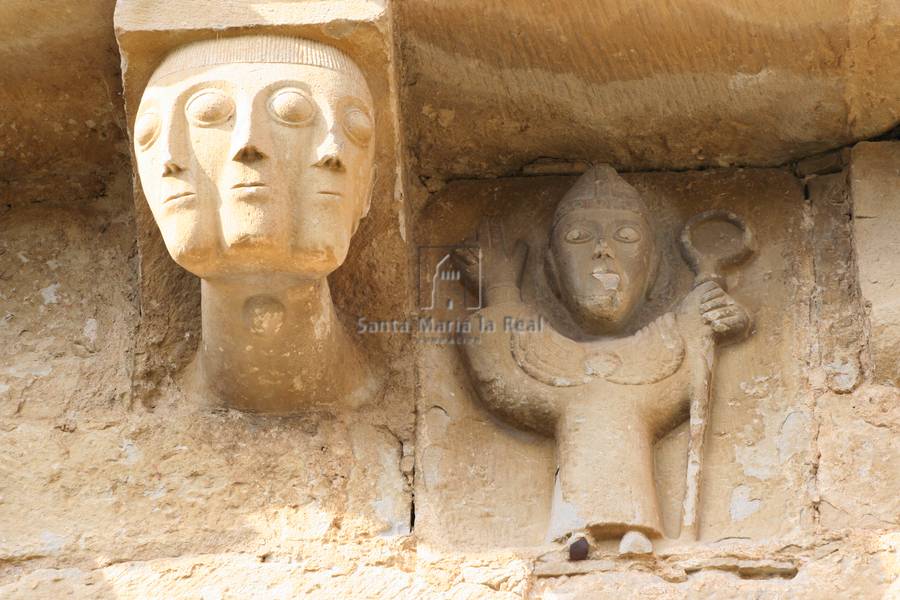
(875, 189)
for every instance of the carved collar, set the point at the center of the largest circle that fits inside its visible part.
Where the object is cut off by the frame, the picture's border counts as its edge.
(650, 355)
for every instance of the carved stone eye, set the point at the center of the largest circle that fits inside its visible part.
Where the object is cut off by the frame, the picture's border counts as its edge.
(292, 107)
(146, 129)
(577, 235)
(358, 125)
(209, 107)
(628, 234)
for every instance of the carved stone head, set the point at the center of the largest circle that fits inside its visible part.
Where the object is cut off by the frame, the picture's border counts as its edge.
(255, 154)
(602, 257)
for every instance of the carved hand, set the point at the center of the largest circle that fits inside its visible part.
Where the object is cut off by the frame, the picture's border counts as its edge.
(721, 312)
(501, 269)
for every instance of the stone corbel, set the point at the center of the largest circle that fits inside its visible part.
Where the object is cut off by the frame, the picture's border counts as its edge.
(256, 133)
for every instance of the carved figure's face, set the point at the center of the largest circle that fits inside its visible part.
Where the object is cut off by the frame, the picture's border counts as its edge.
(604, 260)
(256, 167)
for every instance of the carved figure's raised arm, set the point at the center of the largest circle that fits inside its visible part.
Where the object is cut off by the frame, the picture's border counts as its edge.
(499, 348)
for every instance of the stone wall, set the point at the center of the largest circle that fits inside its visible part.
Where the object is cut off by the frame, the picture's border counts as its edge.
(118, 479)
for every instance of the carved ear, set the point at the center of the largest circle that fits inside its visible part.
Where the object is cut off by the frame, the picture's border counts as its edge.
(368, 201)
(654, 270)
(551, 271)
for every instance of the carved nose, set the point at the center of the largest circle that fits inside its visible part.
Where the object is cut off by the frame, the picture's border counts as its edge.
(251, 140)
(170, 167)
(329, 154)
(248, 153)
(602, 249)
(169, 150)
(330, 161)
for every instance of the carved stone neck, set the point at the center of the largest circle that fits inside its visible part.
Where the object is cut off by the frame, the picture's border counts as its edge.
(274, 344)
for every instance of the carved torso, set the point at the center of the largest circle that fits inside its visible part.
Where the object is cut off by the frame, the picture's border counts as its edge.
(605, 402)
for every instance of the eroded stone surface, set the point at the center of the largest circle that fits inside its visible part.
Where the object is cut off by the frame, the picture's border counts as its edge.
(875, 187)
(643, 86)
(67, 308)
(116, 482)
(635, 542)
(859, 459)
(63, 122)
(836, 299)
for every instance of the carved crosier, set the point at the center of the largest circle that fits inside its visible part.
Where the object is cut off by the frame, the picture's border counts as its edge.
(255, 155)
(605, 401)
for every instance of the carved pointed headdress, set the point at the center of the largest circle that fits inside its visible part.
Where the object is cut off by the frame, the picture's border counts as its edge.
(600, 187)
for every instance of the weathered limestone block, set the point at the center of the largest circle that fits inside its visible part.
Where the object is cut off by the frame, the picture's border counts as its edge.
(233, 576)
(859, 459)
(875, 190)
(755, 477)
(61, 128)
(860, 568)
(67, 316)
(643, 85)
(500, 506)
(836, 302)
(108, 485)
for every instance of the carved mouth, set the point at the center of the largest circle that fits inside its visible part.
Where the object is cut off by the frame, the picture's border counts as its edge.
(174, 197)
(609, 280)
(327, 193)
(252, 184)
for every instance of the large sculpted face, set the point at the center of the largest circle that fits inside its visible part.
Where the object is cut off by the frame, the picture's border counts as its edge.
(604, 262)
(257, 167)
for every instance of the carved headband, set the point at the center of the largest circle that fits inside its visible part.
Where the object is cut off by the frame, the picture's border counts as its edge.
(258, 49)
